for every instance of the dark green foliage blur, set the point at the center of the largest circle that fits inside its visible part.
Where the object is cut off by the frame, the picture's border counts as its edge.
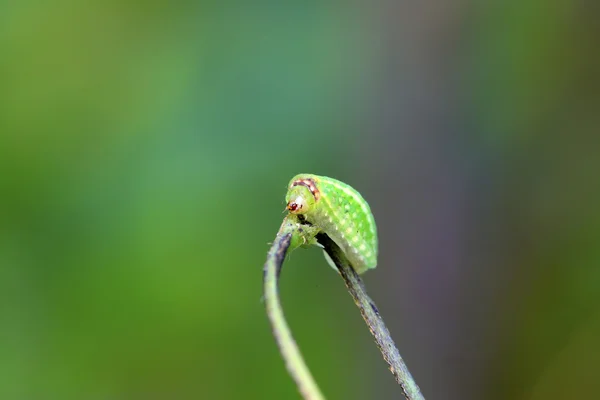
(145, 149)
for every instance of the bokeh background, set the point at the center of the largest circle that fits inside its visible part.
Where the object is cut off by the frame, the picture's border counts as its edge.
(145, 148)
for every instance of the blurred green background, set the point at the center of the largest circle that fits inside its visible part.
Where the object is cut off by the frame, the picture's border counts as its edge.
(145, 149)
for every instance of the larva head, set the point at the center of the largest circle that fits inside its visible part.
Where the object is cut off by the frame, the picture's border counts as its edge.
(302, 194)
(299, 200)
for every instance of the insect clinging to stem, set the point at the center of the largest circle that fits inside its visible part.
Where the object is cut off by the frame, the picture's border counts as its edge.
(339, 211)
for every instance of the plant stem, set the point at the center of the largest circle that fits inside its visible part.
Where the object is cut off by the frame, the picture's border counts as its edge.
(283, 336)
(371, 315)
(291, 235)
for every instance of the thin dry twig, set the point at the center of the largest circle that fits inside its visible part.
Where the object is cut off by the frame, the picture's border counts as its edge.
(373, 319)
(290, 234)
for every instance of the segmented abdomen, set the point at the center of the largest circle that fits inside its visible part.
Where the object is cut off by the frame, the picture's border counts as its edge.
(346, 218)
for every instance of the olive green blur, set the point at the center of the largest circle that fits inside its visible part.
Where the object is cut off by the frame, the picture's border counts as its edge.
(145, 148)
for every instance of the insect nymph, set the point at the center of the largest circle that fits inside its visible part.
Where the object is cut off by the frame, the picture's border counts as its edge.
(340, 212)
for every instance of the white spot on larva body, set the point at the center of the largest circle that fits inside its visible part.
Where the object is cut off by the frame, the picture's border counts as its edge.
(347, 206)
(356, 239)
(349, 229)
(330, 220)
(354, 214)
(362, 247)
(369, 254)
(352, 193)
(355, 250)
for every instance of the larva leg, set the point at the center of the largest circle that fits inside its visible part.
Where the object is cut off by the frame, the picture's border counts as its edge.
(303, 235)
(307, 233)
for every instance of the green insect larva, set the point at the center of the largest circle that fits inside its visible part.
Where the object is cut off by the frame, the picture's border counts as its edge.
(339, 211)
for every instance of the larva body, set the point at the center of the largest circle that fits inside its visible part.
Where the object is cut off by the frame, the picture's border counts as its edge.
(339, 211)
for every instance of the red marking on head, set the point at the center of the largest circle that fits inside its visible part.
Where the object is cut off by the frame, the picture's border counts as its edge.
(310, 184)
(292, 206)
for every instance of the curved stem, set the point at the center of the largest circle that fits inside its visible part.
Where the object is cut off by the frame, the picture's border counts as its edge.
(291, 235)
(371, 315)
(283, 336)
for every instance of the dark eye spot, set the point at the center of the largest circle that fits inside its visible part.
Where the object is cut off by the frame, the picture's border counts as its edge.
(292, 206)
